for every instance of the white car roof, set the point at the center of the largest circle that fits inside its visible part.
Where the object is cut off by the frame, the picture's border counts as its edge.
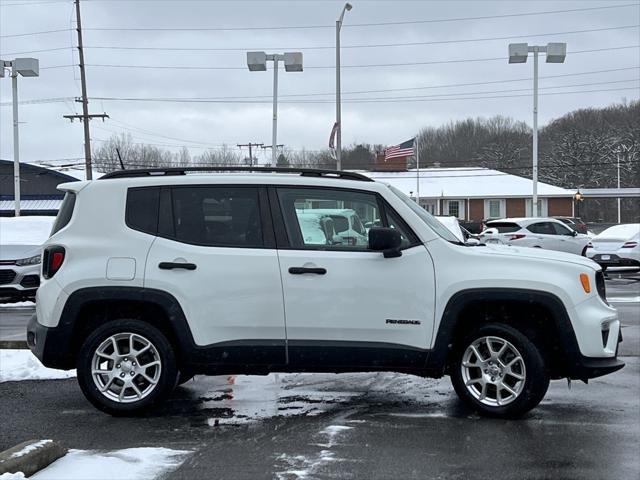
(524, 221)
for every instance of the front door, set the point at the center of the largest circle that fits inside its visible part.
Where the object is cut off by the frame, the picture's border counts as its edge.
(347, 306)
(215, 253)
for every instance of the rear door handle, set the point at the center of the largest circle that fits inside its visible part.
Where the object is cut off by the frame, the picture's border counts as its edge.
(303, 270)
(172, 265)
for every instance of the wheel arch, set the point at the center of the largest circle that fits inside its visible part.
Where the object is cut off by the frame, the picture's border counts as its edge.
(541, 316)
(88, 308)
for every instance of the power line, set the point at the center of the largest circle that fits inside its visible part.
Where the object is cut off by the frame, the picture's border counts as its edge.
(330, 47)
(363, 100)
(356, 25)
(403, 64)
(14, 35)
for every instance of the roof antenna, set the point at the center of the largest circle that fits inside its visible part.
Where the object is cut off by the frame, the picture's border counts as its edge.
(120, 158)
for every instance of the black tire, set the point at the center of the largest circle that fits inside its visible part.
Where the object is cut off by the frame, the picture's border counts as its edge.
(167, 375)
(536, 381)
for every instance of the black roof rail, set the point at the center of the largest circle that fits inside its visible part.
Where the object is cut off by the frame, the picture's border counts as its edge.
(304, 172)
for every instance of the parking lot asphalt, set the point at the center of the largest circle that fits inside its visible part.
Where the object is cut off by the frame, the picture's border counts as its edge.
(380, 425)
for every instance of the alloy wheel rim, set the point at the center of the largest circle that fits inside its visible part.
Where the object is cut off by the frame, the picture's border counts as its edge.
(126, 367)
(493, 371)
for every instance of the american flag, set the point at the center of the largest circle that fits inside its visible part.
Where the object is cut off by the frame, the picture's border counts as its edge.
(403, 150)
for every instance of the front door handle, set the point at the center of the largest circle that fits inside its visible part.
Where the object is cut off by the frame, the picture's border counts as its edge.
(303, 270)
(172, 265)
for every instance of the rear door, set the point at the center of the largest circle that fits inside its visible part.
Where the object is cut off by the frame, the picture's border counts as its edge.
(347, 306)
(215, 253)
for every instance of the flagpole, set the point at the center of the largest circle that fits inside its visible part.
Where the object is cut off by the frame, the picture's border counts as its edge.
(417, 170)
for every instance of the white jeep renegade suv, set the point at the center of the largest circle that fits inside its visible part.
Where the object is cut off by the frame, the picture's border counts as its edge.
(153, 276)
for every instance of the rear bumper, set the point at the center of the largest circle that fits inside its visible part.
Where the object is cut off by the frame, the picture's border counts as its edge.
(50, 345)
(614, 260)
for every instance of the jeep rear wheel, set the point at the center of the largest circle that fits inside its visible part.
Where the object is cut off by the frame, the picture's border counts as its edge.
(125, 366)
(499, 372)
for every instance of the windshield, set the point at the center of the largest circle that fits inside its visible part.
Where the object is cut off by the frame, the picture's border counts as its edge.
(427, 218)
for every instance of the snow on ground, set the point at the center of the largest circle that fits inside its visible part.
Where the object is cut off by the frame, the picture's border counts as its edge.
(27, 304)
(30, 448)
(301, 466)
(25, 230)
(128, 464)
(23, 365)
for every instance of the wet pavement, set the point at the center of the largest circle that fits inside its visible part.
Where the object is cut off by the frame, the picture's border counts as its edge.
(373, 425)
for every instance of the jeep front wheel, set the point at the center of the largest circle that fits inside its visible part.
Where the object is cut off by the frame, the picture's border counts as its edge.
(126, 366)
(499, 372)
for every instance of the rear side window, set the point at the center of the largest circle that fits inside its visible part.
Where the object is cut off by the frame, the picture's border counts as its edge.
(504, 227)
(65, 212)
(543, 228)
(142, 209)
(215, 216)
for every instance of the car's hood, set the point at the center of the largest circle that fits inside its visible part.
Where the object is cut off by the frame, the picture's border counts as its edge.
(15, 252)
(538, 253)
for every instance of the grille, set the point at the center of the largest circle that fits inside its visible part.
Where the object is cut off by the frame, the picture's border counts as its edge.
(30, 281)
(7, 276)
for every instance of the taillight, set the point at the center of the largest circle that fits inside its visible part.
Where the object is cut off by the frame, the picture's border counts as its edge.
(516, 236)
(52, 260)
(630, 245)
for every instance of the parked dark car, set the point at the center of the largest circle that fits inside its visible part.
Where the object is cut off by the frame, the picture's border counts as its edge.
(575, 223)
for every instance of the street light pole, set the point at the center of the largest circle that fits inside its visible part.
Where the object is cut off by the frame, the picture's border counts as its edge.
(518, 53)
(27, 67)
(534, 201)
(16, 143)
(346, 8)
(257, 62)
(274, 131)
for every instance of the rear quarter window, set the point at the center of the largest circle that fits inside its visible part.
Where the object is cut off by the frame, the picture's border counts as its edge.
(64, 214)
(142, 209)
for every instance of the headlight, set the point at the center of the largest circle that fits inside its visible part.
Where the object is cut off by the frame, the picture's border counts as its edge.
(35, 260)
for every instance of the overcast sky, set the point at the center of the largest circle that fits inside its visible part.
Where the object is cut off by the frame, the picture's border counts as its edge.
(386, 118)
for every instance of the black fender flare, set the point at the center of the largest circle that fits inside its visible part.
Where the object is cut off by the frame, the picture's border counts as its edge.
(451, 318)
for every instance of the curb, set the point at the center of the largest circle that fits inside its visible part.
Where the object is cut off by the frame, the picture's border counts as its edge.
(14, 344)
(31, 456)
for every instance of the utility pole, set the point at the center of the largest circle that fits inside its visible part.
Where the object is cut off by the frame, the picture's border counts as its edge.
(250, 145)
(85, 117)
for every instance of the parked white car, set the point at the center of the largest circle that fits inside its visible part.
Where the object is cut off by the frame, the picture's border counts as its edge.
(617, 246)
(20, 248)
(547, 233)
(183, 274)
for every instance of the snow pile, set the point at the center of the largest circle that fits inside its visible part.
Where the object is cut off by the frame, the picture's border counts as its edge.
(25, 230)
(127, 464)
(23, 365)
(13, 476)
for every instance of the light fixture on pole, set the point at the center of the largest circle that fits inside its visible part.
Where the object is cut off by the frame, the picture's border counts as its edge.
(577, 198)
(347, 7)
(257, 62)
(518, 53)
(27, 67)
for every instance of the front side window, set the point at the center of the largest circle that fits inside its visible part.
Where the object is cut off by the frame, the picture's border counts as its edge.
(214, 216)
(561, 229)
(327, 219)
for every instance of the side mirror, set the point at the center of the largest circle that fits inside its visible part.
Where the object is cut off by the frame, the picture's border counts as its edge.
(574, 233)
(385, 240)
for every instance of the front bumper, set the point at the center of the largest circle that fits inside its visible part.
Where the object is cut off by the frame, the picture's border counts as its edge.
(19, 282)
(51, 345)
